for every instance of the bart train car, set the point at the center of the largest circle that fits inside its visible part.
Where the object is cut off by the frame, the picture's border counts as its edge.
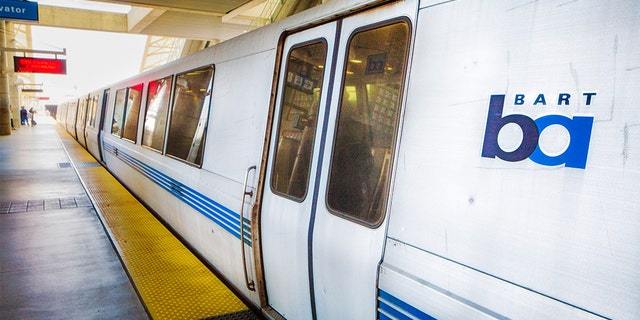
(393, 160)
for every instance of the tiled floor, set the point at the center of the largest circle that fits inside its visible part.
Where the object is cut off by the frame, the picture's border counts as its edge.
(56, 261)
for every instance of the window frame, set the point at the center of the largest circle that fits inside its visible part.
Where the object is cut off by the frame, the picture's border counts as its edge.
(289, 196)
(115, 108)
(127, 109)
(93, 110)
(83, 109)
(398, 122)
(172, 107)
(167, 117)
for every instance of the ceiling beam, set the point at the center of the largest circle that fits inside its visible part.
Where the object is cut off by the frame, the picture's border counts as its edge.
(242, 9)
(147, 21)
(168, 6)
(140, 18)
(80, 19)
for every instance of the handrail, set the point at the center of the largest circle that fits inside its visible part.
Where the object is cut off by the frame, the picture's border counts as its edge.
(250, 284)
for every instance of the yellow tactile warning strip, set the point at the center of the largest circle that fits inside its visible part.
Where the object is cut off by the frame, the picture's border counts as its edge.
(172, 282)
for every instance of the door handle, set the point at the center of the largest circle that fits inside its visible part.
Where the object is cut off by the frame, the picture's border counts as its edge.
(250, 284)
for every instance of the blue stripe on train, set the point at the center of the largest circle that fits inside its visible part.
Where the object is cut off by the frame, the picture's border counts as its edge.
(221, 215)
(390, 307)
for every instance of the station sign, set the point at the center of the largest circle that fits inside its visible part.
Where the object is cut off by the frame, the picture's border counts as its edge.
(18, 10)
(40, 65)
(31, 90)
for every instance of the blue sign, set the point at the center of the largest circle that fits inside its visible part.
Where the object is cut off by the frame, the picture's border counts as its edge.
(19, 10)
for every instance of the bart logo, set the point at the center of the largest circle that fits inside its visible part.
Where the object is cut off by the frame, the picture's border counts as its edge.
(574, 156)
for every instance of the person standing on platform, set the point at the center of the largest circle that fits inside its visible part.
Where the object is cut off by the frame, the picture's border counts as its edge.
(24, 118)
(32, 113)
(13, 127)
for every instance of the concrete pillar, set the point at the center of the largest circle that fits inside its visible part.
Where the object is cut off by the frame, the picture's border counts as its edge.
(12, 77)
(14, 99)
(5, 121)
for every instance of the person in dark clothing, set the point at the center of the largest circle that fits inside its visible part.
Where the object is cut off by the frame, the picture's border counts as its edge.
(13, 127)
(24, 117)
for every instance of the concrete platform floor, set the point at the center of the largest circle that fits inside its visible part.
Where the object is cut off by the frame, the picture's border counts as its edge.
(56, 260)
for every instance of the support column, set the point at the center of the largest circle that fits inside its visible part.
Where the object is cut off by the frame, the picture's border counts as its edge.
(12, 77)
(14, 99)
(5, 119)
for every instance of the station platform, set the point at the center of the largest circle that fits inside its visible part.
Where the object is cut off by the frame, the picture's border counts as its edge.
(75, 244)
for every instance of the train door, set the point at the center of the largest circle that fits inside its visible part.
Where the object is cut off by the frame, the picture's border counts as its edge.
(289, 191)
(72, 112)
(81, 122)
(328, 175)
(102, 119)
(349, 226)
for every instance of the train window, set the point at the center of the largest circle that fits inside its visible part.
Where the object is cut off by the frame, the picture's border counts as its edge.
(93, 108)
(189, 115)
(297, 124)
(367, 122)
(118, 112)
(155, 121)
(82, 114)
(72, 111)
(132, 110)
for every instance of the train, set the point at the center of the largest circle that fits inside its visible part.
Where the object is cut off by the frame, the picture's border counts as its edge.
(416, 159)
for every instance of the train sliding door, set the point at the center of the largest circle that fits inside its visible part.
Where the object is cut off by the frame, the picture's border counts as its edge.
(323, 217)
(349, 224)
(103, 113)
(292, 166)
(81, 121)
(72, 112)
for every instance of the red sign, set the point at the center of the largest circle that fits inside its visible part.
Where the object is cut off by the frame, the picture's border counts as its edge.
(39, 65)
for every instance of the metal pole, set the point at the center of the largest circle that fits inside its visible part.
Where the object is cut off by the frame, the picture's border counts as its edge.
(5, 49)
(5, 119)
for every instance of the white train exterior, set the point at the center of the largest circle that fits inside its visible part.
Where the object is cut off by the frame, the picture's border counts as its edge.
(413, 159)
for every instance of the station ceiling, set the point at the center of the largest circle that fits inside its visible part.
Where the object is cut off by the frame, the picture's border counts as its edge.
(207, 20)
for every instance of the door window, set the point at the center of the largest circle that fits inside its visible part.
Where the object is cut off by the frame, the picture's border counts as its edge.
(82, 113)
(367, 122)
(298, 118)
(93, 108)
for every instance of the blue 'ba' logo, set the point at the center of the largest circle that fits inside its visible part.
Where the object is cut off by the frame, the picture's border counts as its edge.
(578, 128)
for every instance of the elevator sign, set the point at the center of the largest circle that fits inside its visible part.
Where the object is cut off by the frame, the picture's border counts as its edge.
(39, 65)
(18, 10)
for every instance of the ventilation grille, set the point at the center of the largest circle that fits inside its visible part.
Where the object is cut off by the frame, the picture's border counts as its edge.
(241, 315)
(89, 164)
(18, 206)
(64, 165)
